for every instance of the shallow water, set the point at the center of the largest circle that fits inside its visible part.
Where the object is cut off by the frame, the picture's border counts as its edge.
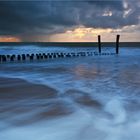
(85, 98)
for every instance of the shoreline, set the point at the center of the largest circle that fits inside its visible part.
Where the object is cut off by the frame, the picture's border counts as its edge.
(72, 44)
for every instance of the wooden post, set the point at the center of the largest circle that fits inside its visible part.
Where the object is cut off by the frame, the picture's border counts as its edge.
(18, 57)
(45, 56)
(23, 57)
(8, 56)
(99, 43)
(31, 57)
(4, 58)
(12, 58)
(37, 56)
(117, 44)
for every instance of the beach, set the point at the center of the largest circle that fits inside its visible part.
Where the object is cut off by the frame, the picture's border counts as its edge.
(82, 98)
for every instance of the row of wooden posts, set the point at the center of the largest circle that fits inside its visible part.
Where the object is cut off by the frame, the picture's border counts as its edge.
(41, 56)
(44, 56)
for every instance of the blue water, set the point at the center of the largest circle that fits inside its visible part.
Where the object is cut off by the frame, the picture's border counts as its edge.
(111, 81)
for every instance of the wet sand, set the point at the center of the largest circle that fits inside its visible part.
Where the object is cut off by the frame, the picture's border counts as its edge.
(14, 88)
(22, 103)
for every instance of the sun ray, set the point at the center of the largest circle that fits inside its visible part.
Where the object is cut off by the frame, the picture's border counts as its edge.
(9, 39)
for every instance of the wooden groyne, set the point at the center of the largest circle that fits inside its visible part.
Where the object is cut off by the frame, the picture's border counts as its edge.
(47, 56)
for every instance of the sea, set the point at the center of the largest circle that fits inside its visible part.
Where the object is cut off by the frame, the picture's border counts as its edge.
(74, 98)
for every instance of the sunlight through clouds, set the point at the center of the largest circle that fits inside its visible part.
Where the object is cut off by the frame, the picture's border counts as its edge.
(9, 39)
(68, 21)
(79, 34)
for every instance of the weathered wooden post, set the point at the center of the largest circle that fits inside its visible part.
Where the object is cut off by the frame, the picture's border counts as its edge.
(23, 57)
(50, 56)
(31, 57)
(54, 55)
(37, 56)
(27, 55)
(8, 56)
(99, 43)
(45, 56)
(4, 58)
(41, 56)
(12, 57)
(18, 57)
(117, 44)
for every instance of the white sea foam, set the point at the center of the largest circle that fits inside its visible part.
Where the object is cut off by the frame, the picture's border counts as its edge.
(116, 109)
(78, 126)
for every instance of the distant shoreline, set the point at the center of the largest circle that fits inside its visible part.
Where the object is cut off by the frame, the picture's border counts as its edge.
(72, 44)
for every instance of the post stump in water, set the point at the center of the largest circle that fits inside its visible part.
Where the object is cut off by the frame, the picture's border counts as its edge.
(117, 44)
(99, 43)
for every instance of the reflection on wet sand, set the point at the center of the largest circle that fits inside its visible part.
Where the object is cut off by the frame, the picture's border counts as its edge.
(22, 103)
(16, 88)
(83, 71)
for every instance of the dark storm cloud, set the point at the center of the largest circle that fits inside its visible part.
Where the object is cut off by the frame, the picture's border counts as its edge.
(48, 17)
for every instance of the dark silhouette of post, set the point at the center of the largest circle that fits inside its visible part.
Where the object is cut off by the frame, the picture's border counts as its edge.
(99, 43)
(18, 57)
(4, 58)
(23, 57)
(12, 58)
(117, 44)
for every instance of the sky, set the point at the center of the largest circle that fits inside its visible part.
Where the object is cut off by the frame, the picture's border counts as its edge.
(69, 20)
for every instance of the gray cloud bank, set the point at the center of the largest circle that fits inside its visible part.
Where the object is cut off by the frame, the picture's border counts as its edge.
(48, 17)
